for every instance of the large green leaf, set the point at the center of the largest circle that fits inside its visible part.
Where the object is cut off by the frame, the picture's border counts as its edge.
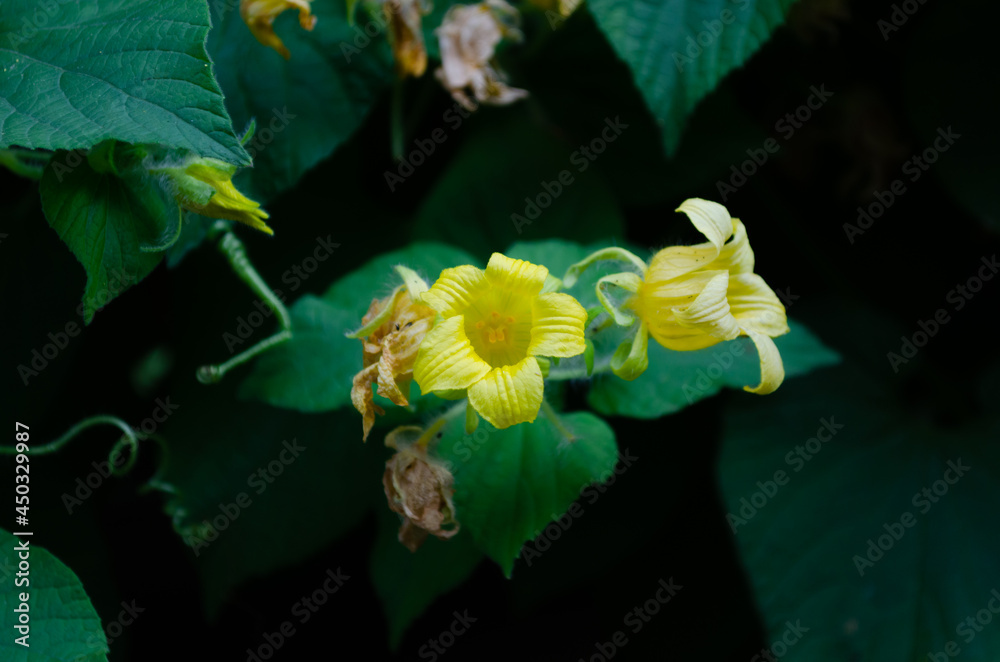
(408, 582)
(275, 486)
(106, 221)
(63, 624)
(314, 370)
(679, 50)
(305, 106)
(510, 483)
(675, 380)
(518, 181)
(856, 518)
(76, 74)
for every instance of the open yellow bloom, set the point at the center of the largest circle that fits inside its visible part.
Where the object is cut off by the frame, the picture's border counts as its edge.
(692, 297)
(259, 16)
(495, 323)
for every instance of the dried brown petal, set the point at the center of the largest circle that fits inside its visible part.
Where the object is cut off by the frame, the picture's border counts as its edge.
(389, 352)
(419, 488)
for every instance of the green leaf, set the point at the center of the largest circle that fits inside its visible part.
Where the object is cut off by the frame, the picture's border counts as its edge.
(63, 624)
(306, 106)
(107, 222)
(675, 380)
(506, 176)
(289, 471)
(679, 51)
(510, 483)
(313, 371)
(806, 541)
(137, 72)
(407, 582)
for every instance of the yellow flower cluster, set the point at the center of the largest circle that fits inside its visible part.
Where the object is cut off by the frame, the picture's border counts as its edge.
(487, 335)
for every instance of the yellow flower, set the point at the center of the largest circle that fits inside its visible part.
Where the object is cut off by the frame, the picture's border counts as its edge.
(495, 323)
(204, 186)
(692, 297)
(389, 352)
(259, 16)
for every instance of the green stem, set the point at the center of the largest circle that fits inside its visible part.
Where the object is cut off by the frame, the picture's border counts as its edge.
(24, 162)
(453, 412)
(553, 416)
(236, 253)
(210, 374)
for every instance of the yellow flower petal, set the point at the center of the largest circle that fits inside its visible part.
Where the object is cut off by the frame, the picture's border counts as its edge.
(772, 370)
(755, 306)
(710, 312)
(259, 16)
(557, 326)
(515, 276)
(656, 305)
(713, 221)
(710, 218)
(456, 290)
(446, 359)
(509, 395)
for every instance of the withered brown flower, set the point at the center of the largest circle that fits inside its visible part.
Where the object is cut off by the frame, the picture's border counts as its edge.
(468, 38)
(389, 352)
(419, 487)
(406, 36)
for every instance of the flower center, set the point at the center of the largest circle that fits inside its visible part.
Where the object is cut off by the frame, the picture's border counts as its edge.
(494, 328)
(499, 330)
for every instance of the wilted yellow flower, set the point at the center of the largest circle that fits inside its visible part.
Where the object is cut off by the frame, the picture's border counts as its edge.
(468, 37)
(406, 36)
(204, 185)
(419, 487)
(259, 16)
(692, 297)
(389, 352)
(495, 323)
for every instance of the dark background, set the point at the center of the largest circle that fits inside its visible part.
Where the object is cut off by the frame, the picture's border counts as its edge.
(122, 547)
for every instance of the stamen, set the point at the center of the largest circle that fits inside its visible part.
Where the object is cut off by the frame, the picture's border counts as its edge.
(495, 315)
(480, 324)
(510, 320)
(493, 336)
(500, 335)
